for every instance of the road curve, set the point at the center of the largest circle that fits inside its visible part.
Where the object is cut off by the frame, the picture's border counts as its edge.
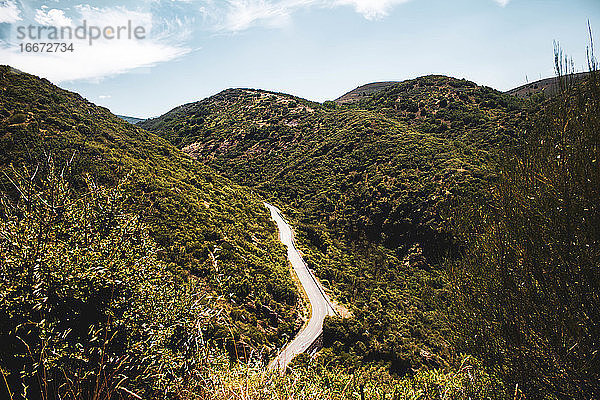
(319, 301)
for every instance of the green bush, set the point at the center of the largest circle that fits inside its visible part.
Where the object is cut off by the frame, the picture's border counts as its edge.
(315, 378)
(87, 310)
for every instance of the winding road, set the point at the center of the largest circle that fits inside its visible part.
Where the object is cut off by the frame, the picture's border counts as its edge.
(319, 301)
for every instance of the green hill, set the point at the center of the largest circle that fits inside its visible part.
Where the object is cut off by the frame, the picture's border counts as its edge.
(137, 261)
(207, 231)
(365, 184)
(451, 107)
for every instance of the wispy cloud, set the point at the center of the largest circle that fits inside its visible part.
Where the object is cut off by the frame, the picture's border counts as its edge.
(163, 42)
(239, 15)
(502, 3)
(114, 16)
(52, 17)
(9, 12)
(371, 9)
(169, 24)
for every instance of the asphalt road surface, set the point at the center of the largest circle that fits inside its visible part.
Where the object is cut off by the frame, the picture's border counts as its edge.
(319, 301)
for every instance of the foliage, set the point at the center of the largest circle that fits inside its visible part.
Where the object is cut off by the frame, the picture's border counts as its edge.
(315, 379)
(17, 118)
(528, 281)
(90, 311)
(451, 107)
(363, 186)
(87, 310)
(206, 227)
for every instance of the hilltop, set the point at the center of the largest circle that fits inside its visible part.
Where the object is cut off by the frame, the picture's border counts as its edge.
(547, 87)
(364, 91)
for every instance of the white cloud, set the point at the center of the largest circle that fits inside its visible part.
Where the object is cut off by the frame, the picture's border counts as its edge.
(239, 15)
(104, 96)
(9, 12)
(95, 62)
(371, 9)
(502, 3)
(106, 57)
(52, 17)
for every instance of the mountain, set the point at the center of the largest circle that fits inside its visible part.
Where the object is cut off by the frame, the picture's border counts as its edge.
(363, 91)
(129, 270)
(365, 184)
(205, 233)
(191, 209)
(451, 107)
(131, 120)
(548, 86)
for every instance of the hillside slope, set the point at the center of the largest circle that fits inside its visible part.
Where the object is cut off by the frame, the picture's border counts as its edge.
(452, 108)
(207, 228)
(365, 184)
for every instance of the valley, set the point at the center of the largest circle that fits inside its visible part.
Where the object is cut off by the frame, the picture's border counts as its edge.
(365, 186)
(147, 248)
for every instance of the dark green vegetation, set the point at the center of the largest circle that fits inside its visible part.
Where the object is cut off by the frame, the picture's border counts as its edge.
(452, 108)
(88, 309)
(364, 185)
(448, 217)
(527, 287)
(77, 268)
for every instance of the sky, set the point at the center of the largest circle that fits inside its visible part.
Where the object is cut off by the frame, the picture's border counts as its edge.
(316, 49)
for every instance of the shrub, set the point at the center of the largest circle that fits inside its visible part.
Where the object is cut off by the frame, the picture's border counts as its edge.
(314, 378)
(83, 129)
(86, 308)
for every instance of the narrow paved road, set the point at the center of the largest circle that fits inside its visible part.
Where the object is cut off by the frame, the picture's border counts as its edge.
(319, 301)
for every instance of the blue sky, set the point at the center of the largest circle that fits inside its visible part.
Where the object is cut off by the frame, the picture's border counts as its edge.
(317, 49)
